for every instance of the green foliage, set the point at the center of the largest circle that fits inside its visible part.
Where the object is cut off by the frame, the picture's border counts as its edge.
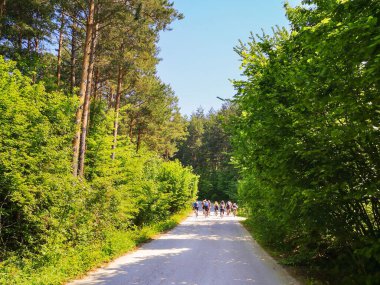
(153, 118)
(24, 24)
(307, 138)
(55, 225)
(35, 137)
(208, 150)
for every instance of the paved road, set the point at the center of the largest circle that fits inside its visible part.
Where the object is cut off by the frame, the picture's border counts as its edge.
(198, 252)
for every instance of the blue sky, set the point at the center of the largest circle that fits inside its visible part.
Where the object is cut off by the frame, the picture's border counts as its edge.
(197, 55)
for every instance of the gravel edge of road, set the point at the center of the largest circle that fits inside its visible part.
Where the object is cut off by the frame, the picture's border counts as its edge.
(297, 278)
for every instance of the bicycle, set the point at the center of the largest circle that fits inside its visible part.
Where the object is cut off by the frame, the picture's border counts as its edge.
(196, 212)
(206, 212)
(234, 209)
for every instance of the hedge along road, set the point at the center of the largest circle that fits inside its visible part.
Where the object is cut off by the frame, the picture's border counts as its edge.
(202, 251)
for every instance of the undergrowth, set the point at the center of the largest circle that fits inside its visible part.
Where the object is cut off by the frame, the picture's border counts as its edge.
(63, 264)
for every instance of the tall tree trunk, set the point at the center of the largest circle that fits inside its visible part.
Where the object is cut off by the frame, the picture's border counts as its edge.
(83, 84)
(19, 42)
(117, 107)
(73, 58)
(3, 5)
(131, 128)
(36, 45)
(138, 142)
(29, 46)
(110, 98)
(36, 50)
(375, 211)
(86, 105)
(96, 83)
(60, 44)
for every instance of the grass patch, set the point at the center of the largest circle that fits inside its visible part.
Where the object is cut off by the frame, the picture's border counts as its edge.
(63, 264)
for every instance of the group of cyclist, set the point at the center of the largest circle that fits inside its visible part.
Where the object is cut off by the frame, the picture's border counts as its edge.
(219, 208)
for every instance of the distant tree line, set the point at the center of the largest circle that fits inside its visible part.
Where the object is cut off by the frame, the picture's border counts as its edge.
(207, 149)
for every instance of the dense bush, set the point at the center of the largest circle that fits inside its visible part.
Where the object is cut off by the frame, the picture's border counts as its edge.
(35, 138)
(45, 211)
(308, 137)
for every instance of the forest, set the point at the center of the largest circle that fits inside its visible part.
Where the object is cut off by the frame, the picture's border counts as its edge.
(95, 156)
(88, 132)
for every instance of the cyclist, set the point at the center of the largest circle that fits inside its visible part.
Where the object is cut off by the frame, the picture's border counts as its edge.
(195, 208)
(234, 209)
(228, 207)
(206, 207)
(216, 208)
(222, 206)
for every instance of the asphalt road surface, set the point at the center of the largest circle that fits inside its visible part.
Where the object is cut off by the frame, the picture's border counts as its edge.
(200, 251)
